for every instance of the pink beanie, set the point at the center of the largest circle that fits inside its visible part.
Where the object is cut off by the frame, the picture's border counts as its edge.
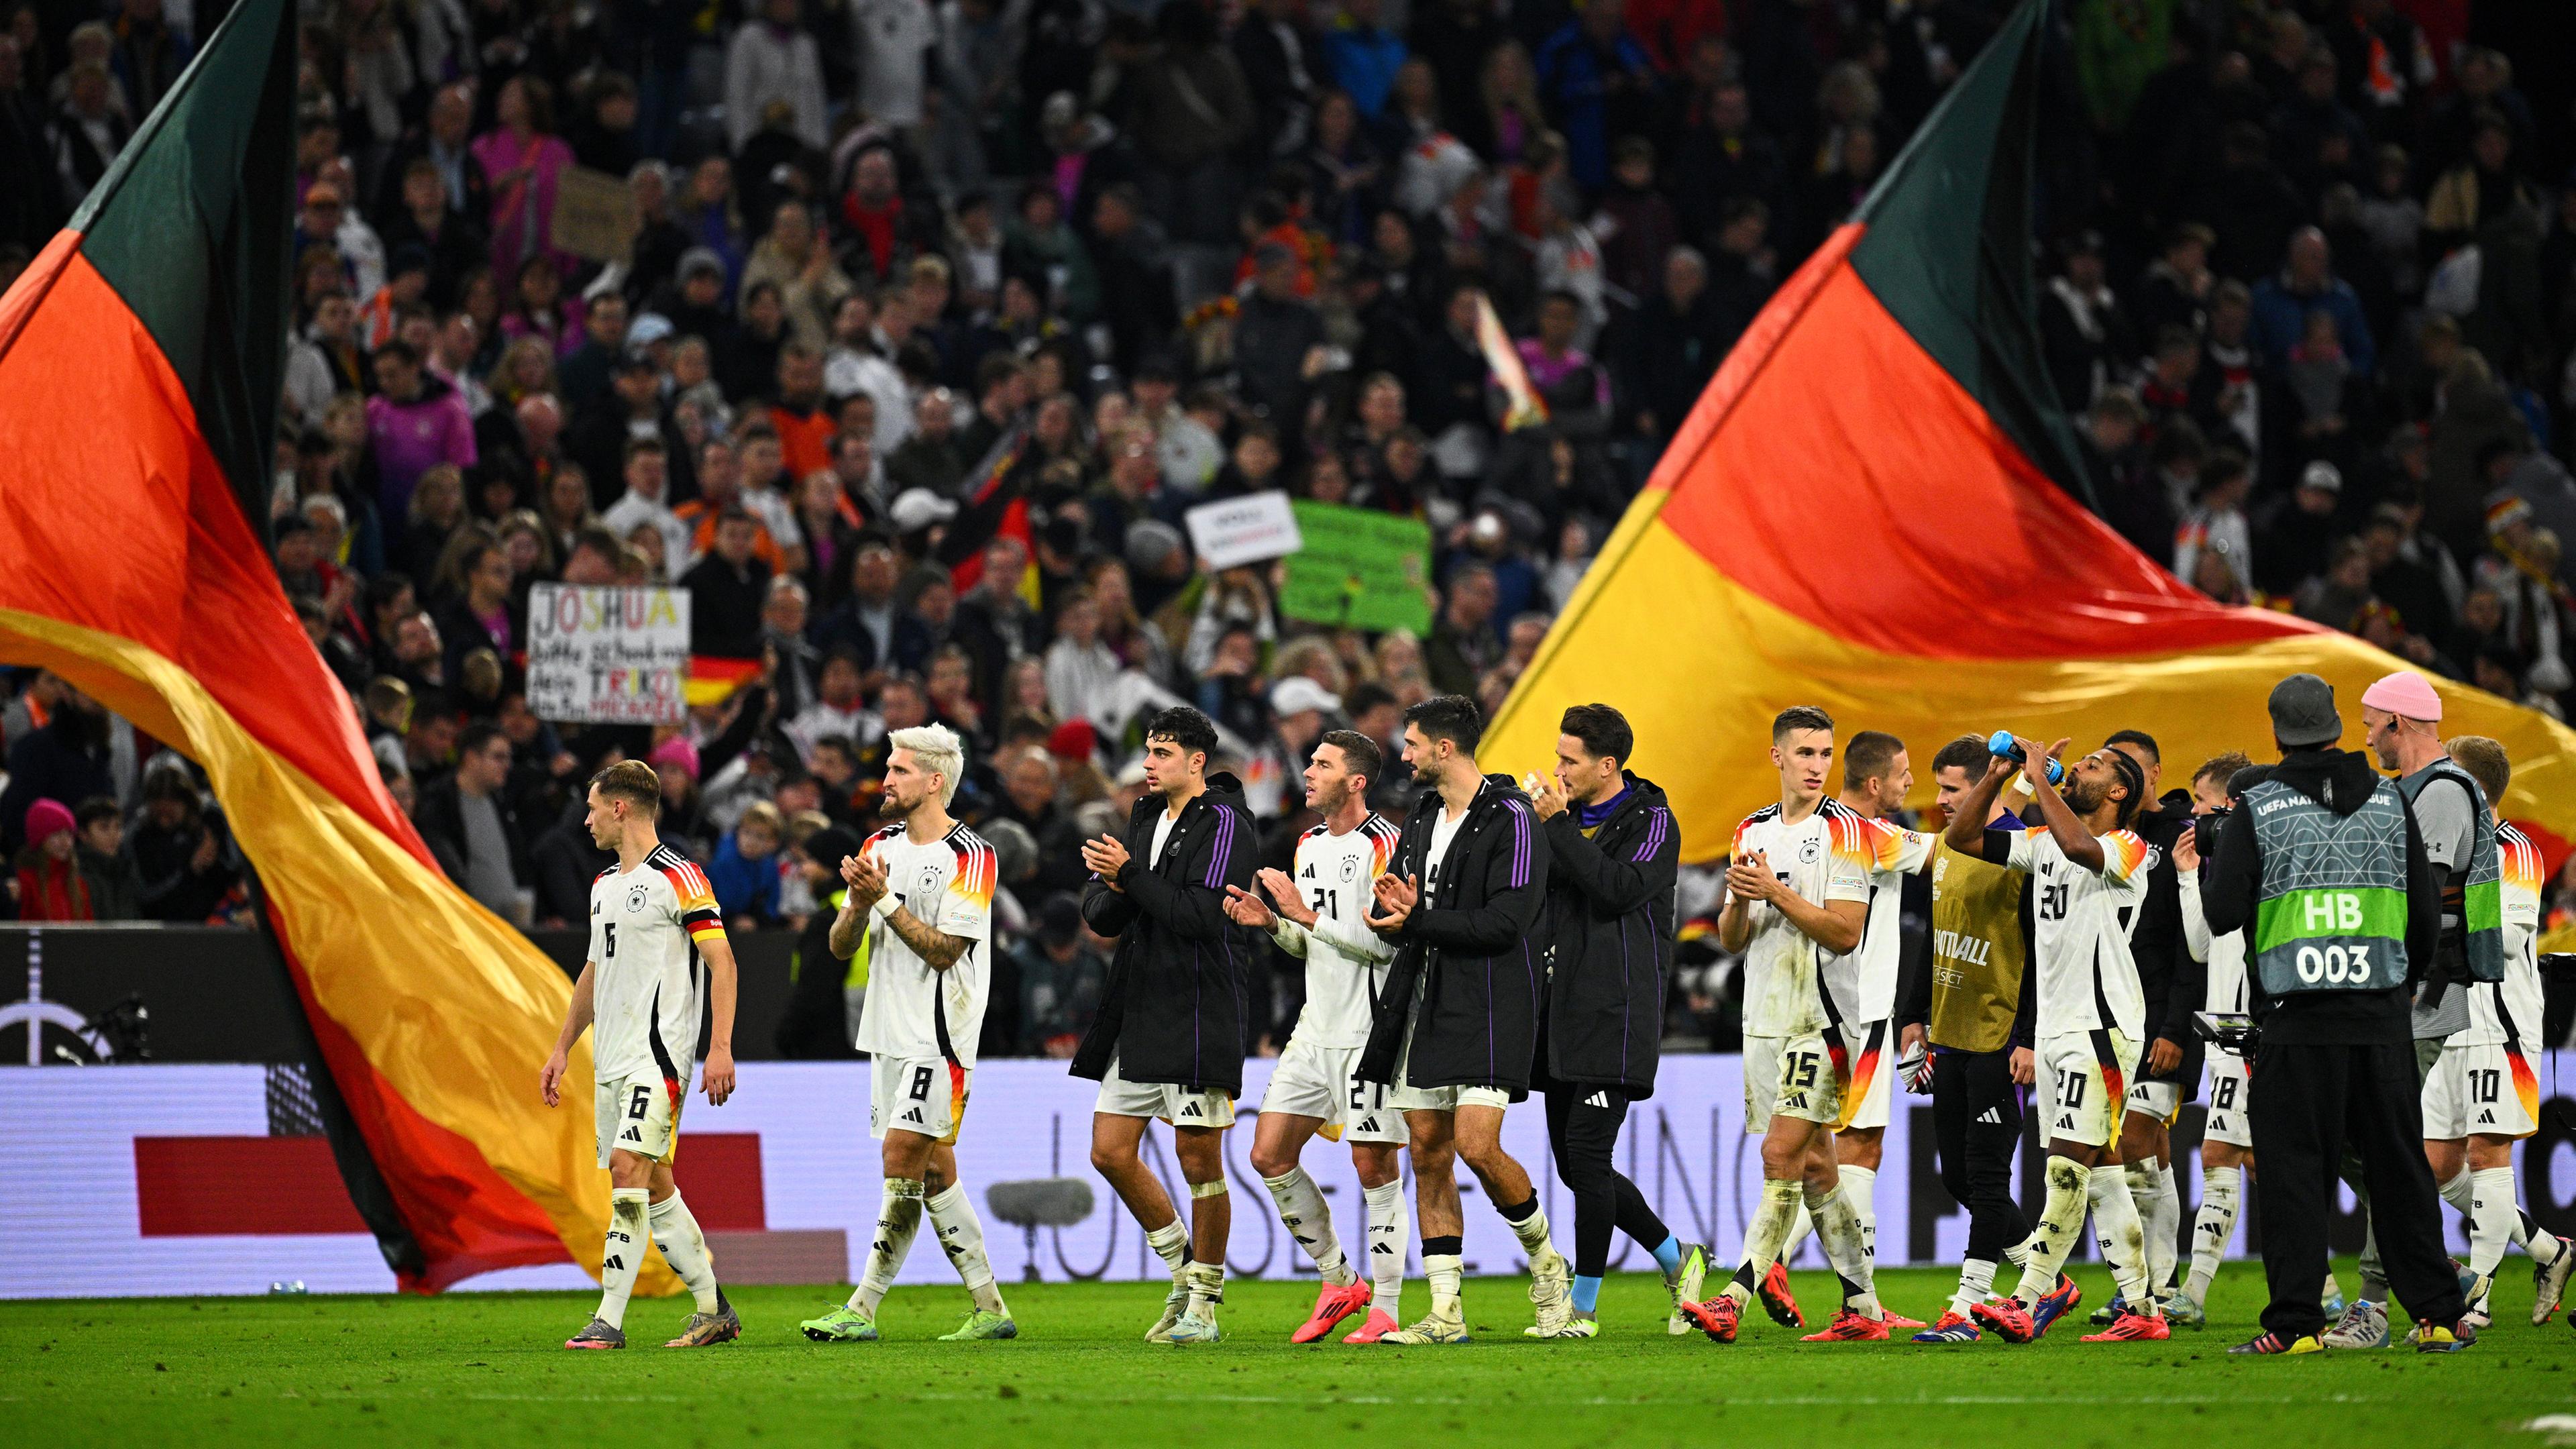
(675, 752)
(44, 818)
(2405, 694)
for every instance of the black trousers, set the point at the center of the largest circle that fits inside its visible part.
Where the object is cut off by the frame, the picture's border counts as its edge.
(1976, 1118)
(2308, 1104)
(1583, 1134)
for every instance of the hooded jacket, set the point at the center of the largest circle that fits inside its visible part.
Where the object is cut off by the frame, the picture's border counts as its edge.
(1174, 1009)
(1609, 936)
(1467, 970)
(2231, 883)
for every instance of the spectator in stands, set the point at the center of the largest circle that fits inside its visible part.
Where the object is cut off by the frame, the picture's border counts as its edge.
(184, 863)
(48, 884)
(472, 827)
(2307, 284)
(107, 872)
(67, 759)
(745, 871)
(729, 589)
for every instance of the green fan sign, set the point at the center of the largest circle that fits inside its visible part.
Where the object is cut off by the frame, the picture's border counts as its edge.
(1359, 569)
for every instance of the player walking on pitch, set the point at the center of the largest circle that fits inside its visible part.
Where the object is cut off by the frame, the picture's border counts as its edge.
(1877, 776)
(2088, 874)
(1612, 855)
(920, 901)
(1455, 1040)
(2483, 1096)
(1168, 1041)
(652, 921)
(1797, 887)
(1321, 915)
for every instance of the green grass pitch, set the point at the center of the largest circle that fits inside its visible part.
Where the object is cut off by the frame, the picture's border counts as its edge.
(484, 1372)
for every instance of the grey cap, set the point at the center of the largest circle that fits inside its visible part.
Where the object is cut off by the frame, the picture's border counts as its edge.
(2303, 712)
(699, 259)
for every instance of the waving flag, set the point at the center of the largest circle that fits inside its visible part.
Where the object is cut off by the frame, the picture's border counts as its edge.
(140, 358)
(1875, 508)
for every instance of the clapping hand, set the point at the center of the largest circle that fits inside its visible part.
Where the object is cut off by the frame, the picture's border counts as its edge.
(1105, 857)
(1245, 909)
(1750, 877)
(1284, 891)
(1395, 897)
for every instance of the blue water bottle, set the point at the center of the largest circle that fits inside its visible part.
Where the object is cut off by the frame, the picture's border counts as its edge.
(2002, 745)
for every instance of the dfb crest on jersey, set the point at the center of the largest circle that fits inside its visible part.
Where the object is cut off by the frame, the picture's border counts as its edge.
(634, 900)
(929, 881)
(1809, 849)
(1350, 869)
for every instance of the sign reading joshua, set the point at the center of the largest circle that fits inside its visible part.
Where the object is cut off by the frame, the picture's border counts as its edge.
(608, 656)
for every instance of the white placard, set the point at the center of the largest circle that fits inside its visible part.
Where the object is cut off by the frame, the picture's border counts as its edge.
(608, 656)
(1244, 530)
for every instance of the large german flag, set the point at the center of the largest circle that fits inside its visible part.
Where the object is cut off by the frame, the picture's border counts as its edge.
(139, 365)
(1875, 508)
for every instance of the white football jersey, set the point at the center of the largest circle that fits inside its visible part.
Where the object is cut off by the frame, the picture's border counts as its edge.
(2224, 955)
(1824, 858)
(645, 924)
(1345, 960)
(2514, 1004)
(912, 1011)
(1864, 982)
(2087, 978)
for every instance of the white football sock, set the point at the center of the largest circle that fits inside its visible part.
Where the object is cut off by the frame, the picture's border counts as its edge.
(675, 1230)
(2544, 1247)
(2061, 1218)
(1860, 1189)
(961, 1237)
(2460, 1191)
(1446, 1272)
(1838, 1233)
(1207, 1288)
(1976, 1285)
(623, 1257)
(1763, 1237)
(1802, 1226)
(1532, 1231)
(1310, 1222)
(2214, 1228)
(1172, 1241)
(2494, 1220)
(2122, 1238)
(2151, 1188)
(898, 1219)
(1388, 1229)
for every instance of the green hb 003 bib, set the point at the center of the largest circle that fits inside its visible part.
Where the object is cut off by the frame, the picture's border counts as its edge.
(2332, 916)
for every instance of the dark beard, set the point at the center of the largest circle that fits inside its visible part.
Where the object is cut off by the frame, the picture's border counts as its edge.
(2079, 801)
(889, 808)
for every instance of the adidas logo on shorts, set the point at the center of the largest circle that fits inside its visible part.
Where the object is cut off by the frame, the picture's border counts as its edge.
(1191, 1110)
(1992, 1117)
(913, 1115)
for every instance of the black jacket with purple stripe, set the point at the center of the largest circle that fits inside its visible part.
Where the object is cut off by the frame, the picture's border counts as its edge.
(1174, 1008)
(1467, 967)
(1609, 937)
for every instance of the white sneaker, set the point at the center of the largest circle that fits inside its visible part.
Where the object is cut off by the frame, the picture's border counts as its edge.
(1552, 1293)
(1174, 1306)
(2364, 1325)
(2549, 1285)
(1196, 1328)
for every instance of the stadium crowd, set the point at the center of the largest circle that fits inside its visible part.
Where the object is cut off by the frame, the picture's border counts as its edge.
(937, 319)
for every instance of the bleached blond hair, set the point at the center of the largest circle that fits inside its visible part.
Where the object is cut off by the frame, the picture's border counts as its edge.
(935, 748)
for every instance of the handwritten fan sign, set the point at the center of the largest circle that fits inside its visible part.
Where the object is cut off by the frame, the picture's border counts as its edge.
(608, 656)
